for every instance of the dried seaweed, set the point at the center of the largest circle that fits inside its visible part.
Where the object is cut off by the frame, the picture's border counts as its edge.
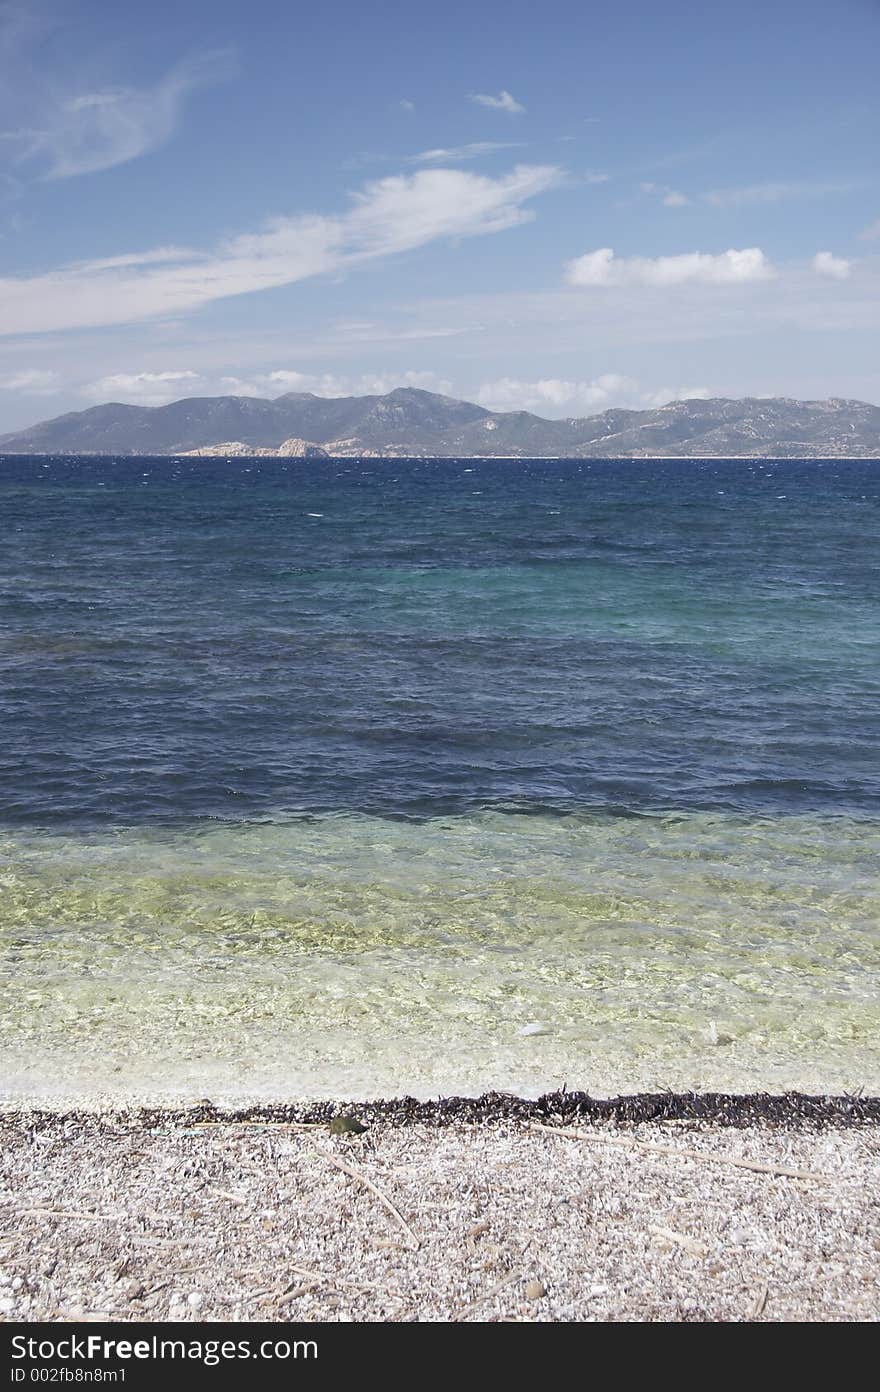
(790, 1111)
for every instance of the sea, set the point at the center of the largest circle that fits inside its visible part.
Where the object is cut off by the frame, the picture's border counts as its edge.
(370, 777)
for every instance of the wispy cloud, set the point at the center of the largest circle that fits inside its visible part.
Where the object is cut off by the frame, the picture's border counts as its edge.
(477, 149)
(89, 131)
(391, 215)
(406, 211)
(602, 268)
(825, 263)
(157, 257)
(775, 192)
(503, 102)
(752, 195)
(868, 234)
(406, 104)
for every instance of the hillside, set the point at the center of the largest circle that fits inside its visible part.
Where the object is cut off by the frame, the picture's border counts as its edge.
(411, 422)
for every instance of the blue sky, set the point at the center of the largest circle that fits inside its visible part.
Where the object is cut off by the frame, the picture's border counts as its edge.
(561, 207)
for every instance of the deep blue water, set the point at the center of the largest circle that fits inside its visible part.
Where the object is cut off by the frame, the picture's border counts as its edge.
(246, 640)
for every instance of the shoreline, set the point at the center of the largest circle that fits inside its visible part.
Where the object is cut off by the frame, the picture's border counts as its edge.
(179, 456)
(786, 1111)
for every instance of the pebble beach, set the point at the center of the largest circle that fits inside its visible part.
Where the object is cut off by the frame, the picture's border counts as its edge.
(471, 1211)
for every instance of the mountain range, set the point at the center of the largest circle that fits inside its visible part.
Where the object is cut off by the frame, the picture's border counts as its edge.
(410, 422)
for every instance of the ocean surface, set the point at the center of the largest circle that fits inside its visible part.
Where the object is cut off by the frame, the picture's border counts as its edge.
(382, 776)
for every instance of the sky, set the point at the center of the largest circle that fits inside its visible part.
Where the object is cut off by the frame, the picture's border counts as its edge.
(559, 208)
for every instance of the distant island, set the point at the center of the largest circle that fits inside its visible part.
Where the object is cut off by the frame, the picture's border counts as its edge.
(408, 422)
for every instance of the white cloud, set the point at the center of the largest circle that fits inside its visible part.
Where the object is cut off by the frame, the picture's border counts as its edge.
(399, 213)
(407, 105)
(671, 197)
(96, 130)
(378, 383)
(142, 388)
(269, 384)
(547, 396)
(825, 263)
(663, 395)
(503, 102)
(32, 382)
(557, 396)
(476, 150)
(603, 268)
(157, 388)
(513, 394)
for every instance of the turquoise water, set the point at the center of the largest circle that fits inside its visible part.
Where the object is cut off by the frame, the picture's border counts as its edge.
(425, 776)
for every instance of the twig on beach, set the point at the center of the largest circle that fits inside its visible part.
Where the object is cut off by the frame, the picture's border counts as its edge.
(383, 1198)
(688, 1244)
(679, 1152)
(330, 1280)
(294, 1292)
(81, 1215)
(313, 1281)
(760, 1302)
(481, 1299)
(146, 1240)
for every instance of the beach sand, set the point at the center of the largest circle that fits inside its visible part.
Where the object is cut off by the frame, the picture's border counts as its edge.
(441, 1213)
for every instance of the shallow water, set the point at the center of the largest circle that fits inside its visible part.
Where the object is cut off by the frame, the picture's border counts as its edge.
(486, 776)
(360, 954)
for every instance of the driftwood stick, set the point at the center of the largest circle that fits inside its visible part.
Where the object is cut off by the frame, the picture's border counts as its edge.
(679, 1152)
(383, 1198)
(679, 1239)
(256, 1125)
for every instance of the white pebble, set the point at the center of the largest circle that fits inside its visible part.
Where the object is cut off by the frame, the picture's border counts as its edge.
(534, 1028)
(7, 1305)
(195, 1299)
